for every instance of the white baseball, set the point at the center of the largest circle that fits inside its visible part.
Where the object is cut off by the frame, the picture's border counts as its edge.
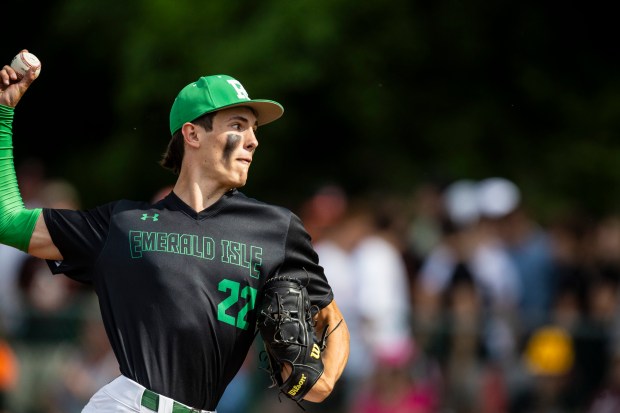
(25, 61)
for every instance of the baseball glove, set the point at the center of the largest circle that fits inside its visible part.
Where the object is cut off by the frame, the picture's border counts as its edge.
(285, 322)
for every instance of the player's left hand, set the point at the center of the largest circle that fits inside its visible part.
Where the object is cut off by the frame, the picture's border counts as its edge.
(287, 328)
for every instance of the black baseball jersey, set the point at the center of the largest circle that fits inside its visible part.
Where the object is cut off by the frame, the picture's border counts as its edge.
(178, 288)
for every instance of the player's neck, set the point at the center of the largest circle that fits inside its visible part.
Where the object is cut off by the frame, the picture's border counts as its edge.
(199, 195)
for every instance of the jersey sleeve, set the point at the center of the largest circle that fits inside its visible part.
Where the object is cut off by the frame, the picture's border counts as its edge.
(301, 261)
(80, 237)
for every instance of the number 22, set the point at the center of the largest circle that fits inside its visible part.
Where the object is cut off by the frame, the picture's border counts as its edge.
(247, 293)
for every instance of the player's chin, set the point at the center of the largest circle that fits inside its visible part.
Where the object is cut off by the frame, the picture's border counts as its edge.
(239, 180)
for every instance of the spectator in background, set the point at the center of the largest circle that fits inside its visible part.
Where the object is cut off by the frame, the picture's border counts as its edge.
(468, 249)
(335, 249)
(593, 341)
(425, 227)
(548, 360)
(608, 398)
(526, 242)
(458, 343)
(324, 208)
(9, 372)
(473, 381)
(11, 260)
(393, 388)
(466, 297)
(607, 249)
(383, 282)
(89, 367)
(51, 311)
(594, 335)
(586, 300)
(58, 193)
(571, 251)
(50, 306)
(31, 176)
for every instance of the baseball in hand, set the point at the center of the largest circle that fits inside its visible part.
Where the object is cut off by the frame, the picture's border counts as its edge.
(23, 62)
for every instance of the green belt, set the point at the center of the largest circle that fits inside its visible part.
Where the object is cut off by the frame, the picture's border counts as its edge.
(150, 400)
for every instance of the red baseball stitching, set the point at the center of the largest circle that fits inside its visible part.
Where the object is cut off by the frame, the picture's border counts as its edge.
(22, 56)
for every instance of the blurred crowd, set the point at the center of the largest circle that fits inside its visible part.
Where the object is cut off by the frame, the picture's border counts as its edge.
(457, 298)
(54, 353)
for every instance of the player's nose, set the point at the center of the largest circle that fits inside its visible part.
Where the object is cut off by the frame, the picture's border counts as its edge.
(251, 141)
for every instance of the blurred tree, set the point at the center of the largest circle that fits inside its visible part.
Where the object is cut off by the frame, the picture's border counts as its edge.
(376, 94)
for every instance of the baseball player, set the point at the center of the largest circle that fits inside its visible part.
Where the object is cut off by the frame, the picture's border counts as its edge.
(180, 281)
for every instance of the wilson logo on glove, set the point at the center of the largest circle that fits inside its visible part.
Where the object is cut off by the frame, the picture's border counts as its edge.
(316, 352)
(296, 388)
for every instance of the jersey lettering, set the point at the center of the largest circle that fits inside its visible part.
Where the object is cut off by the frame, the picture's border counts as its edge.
(232, 252)
(182, 244)
(238, 253)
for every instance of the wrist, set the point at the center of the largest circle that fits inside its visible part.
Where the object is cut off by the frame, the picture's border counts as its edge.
(6, 132)
(8, 110)
(6, 120)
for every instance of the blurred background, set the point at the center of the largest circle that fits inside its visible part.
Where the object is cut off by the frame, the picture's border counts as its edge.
(455, 162)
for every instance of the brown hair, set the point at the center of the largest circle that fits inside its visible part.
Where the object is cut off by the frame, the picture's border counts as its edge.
(173, 157)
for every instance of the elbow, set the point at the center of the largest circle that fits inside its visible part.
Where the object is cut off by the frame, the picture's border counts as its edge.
(324, 392)
(315, 397)
(320, 391)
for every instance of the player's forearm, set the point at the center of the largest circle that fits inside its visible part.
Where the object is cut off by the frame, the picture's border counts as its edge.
(334, 356)
(16, 222)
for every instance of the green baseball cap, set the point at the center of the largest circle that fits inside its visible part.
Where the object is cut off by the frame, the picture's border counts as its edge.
(212, 93)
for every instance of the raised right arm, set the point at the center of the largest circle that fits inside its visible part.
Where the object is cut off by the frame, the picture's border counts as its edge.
(21, 228)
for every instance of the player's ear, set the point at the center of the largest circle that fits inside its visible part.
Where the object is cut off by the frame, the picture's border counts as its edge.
(190, 134)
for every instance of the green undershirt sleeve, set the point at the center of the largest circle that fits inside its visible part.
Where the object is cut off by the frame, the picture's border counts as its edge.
(16, 222)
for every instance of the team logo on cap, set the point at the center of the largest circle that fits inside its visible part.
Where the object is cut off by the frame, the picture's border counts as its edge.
(241, 92)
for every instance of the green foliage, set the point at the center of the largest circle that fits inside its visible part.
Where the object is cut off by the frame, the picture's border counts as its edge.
(377, 95)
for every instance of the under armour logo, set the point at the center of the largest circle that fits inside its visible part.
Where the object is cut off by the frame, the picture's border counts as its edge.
(241, 92)
(146, 216)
